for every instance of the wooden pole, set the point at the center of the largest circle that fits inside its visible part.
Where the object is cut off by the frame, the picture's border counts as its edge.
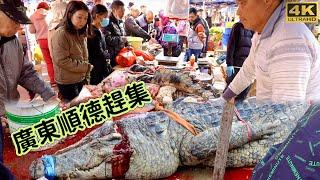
(223, 146)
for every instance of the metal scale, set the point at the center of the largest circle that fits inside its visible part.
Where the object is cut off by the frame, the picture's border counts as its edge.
(204, 65)
(169, 60)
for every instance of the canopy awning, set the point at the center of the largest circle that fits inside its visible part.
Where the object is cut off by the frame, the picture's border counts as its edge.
(209, 2)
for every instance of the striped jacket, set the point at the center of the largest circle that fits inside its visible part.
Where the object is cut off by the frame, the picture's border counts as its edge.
(285, 61)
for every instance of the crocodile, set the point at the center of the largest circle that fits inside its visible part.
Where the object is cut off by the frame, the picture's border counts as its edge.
(151, 145)
(184, 81)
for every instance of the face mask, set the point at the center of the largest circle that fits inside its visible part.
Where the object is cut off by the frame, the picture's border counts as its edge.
(105, 22)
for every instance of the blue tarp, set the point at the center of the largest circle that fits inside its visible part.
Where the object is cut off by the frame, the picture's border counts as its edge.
(211, 1)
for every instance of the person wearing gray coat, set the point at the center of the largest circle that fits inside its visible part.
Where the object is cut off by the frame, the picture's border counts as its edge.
(14, 68)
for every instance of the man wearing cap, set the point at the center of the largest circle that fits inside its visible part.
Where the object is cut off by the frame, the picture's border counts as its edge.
(14, 68)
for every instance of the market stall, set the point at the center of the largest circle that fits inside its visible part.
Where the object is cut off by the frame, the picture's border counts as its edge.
(167, 82)
(157, 115)
(177, 79)
(167, 78)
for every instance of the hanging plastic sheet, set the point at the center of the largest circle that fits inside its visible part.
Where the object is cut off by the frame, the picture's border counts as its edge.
(211, 1)
(177, 9)
(183, 27)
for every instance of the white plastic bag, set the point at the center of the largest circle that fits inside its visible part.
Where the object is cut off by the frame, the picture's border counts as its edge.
(177, 9)
(183, 27)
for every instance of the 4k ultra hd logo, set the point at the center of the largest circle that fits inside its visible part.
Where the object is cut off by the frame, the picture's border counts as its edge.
(306, 12)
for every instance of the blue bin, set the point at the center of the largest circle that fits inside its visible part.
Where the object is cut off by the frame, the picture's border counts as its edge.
(226, 36)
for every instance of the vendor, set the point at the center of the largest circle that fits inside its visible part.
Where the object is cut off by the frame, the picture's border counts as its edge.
(69, 51)
(239, 45)
(14, 68)
(114, 32)
(284, 57)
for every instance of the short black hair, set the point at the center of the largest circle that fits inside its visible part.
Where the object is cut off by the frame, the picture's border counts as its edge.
(193, 10)
(98, 9)
(116, 4)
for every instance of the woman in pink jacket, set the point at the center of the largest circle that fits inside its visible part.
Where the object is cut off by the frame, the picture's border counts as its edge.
(39, 27)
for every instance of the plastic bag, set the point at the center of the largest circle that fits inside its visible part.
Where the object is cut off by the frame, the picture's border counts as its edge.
(126, 57)
(183, 27)
(118, 80)
(146, 56)
(178, 9)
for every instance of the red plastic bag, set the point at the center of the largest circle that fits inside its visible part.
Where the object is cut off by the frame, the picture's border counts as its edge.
(146, 56)
(126, 57)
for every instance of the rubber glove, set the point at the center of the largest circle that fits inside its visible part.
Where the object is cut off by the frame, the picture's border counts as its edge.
(48, 162)
(230, 71)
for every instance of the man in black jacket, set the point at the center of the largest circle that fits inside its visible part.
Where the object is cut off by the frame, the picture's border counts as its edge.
(239, 45)
(114, 32)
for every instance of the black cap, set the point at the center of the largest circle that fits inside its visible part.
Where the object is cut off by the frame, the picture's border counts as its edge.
(15, 10)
